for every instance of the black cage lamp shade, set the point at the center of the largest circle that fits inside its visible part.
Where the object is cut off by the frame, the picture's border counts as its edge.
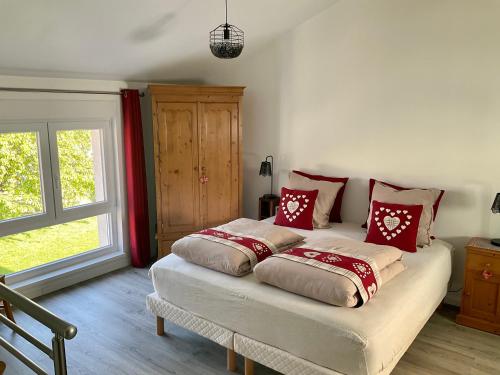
(495, 208)
(226, 41)
(266, 169)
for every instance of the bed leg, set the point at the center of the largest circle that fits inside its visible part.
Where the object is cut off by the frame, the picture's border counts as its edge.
(231, 360)
(160, 326)
(248, 366)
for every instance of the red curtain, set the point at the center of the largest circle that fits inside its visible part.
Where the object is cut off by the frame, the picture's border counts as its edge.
(135, 167)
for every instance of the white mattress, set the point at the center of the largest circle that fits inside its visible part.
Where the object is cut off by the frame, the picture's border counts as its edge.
(366, 340)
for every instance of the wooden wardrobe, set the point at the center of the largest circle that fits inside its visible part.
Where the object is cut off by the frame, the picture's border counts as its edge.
(198, 164)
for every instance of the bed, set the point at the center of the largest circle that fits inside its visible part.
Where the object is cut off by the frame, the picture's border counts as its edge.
(294, 334)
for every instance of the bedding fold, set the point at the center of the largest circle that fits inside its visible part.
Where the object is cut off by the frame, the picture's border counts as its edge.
(236, 247)
(339, 272)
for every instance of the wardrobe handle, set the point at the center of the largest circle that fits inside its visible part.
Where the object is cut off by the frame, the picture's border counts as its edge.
(487, 274)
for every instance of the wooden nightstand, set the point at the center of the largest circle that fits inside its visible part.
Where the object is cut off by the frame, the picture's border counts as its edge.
(481, 295)
(267, 206)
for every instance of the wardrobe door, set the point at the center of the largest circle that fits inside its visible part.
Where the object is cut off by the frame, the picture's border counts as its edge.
(219, 162)
(177, 179)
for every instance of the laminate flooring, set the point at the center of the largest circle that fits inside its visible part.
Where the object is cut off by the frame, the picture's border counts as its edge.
(117, 335)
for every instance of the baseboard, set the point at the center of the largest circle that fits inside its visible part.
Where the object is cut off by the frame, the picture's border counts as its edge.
(69, 276)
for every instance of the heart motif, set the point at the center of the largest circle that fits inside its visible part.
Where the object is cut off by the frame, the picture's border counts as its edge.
(332, 258)
(258, 248)
(311, 254)
(372, 289)
(391, 222)
(292, 206)
(362, 270)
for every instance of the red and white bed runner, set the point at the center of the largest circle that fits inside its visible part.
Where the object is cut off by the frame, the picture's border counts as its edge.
(256, 249)
(361, 270)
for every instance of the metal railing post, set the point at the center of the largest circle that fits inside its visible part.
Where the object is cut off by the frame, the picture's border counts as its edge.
(59, 355)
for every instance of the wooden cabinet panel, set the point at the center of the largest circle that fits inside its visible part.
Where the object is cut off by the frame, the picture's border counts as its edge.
(481, 295)
(480, 262)
(177, 172)
(219, 162)
(197, 131)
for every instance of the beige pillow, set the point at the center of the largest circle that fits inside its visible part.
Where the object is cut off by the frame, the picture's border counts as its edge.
(326, 196)
(425, 197)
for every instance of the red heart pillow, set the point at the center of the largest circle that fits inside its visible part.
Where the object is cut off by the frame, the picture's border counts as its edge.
(394, 225)
(296, 208)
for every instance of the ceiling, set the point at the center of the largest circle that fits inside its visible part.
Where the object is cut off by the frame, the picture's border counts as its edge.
(133, 39)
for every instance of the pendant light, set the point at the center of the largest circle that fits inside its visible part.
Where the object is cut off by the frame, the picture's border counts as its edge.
(226, 41)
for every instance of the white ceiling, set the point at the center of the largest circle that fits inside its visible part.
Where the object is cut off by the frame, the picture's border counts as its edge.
(133, 39)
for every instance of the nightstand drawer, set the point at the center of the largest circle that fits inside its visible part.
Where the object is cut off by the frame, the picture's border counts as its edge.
(480, 262)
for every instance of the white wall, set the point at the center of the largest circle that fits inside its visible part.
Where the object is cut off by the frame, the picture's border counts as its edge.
(406, 91)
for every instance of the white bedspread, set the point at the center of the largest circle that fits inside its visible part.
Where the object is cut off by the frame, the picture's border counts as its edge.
(366, 340)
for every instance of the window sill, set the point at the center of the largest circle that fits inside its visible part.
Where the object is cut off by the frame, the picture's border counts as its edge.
(64, 277)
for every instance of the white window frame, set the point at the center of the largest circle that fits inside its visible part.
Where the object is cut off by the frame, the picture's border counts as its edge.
(37, 220)
(51, 191)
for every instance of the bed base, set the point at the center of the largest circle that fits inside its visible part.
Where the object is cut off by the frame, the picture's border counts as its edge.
(250, 349)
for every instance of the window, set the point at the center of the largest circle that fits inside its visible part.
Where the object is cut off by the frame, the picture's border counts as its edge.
(57, 194)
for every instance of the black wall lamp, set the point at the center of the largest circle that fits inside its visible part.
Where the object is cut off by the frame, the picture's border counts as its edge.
(495, 208)
(266, 169)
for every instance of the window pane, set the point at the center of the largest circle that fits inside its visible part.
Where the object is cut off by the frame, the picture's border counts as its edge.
(20, 187)
(26, 250)
(81, 167)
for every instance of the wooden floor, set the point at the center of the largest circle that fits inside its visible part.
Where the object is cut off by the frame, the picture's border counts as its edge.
(116, 335)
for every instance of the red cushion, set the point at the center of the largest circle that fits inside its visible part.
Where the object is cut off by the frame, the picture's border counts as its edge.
(394, 225)
(296, 208)
(372, 185)
(337, 205)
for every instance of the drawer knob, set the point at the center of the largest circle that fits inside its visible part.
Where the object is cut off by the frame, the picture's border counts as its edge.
(486, 274)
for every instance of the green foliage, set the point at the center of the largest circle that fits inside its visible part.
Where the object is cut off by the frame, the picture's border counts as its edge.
(76, 163)
(20, 187)
(19, 176)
